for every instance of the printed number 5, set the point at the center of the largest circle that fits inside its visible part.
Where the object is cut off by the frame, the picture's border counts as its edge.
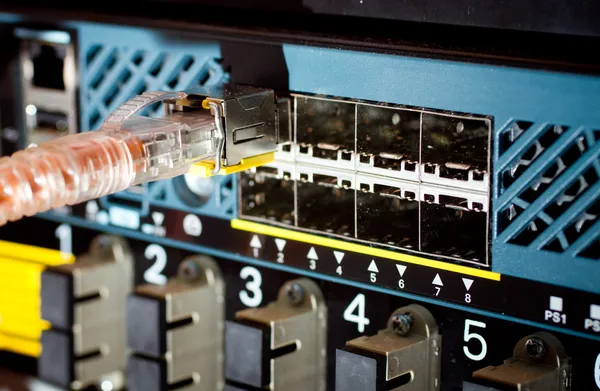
(469, 336)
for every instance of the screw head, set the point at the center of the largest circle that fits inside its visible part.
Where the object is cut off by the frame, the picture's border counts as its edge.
(189, 270)
(535, 348)
(295, 294)
(402, 323)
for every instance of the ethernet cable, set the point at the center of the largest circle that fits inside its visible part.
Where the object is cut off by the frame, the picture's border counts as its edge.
(131, 149)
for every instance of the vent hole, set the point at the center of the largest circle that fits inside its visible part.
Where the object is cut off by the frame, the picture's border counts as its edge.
(188, 61)
(92, 53)
(157, 66)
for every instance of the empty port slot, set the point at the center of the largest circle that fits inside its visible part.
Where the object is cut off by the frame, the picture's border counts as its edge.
(304, 177)
(325, 121)
(326, 180)
(286, 148)
(410, 166)
(48, 65)
(365, 159)
(410, 195)
(478, 176)
(365, 187)
(429, 198)
(391, 164)
(269, 198)
(346, 183)
(453, 232)
(324, 153)
(454, 173)
(389, 131)
(454, 140)
(453, 202)
(303, 149)
(388, 190)
(387, 220)
(316, 201)
(429, 169)
(346, 156)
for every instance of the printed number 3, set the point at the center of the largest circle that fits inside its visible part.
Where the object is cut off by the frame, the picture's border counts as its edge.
(253, 286)
(468, 335)
(153, 274)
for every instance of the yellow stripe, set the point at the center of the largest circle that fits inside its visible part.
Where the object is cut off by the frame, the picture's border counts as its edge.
(283, 233)
(22, 326)
(41, 255)
(15, 344)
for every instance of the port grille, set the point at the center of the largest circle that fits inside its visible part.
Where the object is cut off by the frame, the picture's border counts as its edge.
(549, 188)
(114, 74)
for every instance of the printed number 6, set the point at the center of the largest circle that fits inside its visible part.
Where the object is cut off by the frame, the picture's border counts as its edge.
(252, 286)
(469, 336)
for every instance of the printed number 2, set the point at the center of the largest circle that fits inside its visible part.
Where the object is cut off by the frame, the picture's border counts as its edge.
(358, 305)
(468, 335)
(153, 274)
(64, 234)
(253, 286)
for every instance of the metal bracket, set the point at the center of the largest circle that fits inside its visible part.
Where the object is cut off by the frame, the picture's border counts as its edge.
(411, 347)
(297, 321)
(85, 302)
(539, 363)
(191, 307)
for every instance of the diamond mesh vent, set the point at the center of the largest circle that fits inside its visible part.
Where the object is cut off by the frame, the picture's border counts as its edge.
(112, 75)
(549, 188)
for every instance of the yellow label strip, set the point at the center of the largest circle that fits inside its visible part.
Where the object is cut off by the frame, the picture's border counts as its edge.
(283, 233)
(16, 344)
(41, 255)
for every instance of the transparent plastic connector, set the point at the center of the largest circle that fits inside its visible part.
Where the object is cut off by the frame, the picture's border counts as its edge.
(126, 151)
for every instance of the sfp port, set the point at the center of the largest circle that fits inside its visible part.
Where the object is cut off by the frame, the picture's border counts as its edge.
(386, 217)
(325, 125)
(458, 144)
(316, 200)
(450, 228)
(386, 136)
(266, 196)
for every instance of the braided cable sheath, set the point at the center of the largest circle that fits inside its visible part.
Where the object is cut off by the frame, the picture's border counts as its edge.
(127, 150)
(67, 171)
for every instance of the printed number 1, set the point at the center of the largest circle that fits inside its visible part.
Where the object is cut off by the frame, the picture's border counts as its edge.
(64, 234)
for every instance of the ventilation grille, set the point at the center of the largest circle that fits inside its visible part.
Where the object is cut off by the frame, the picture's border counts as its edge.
(112, 75)
(549, 188)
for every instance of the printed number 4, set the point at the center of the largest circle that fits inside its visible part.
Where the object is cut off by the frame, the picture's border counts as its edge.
(468, 335)
(154, 274)
(358, 305)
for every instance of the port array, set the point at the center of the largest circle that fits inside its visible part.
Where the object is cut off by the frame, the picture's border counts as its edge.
(398, 176)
